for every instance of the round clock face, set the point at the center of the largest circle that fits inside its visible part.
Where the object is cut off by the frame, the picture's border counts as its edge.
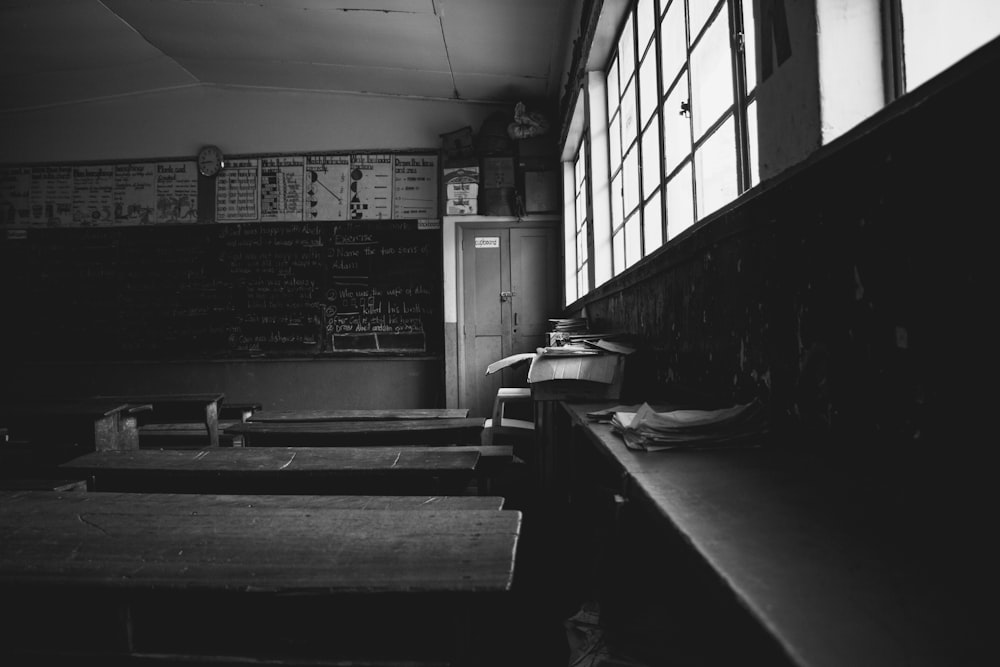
(210, 161)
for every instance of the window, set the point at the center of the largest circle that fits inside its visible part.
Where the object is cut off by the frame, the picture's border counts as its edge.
(581, 282)
(928, 37)
(672, 110)
(680, 130)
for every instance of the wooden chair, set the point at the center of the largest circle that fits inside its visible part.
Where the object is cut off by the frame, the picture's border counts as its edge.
(502, 429)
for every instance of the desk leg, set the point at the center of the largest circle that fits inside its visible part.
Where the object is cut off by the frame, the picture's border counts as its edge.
(212, 423)
(124, 639)
(116, 432)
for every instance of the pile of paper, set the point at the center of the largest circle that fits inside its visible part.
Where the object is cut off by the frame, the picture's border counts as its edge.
(648, 430)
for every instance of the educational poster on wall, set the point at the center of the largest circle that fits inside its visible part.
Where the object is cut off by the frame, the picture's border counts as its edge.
(326, 188)
(414, 186)
(371, 186)
(135, 193)
(237, 191)
(177, 192)
(281, 180)
(15, 195)
(336, 187)
(93, 195)
(51, 195)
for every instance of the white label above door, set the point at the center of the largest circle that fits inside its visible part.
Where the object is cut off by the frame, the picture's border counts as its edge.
(487, 242)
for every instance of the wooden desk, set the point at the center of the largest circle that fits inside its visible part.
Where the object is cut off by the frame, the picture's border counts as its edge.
(830, 578)
(357, 415)
(291, 579)
(390, 432)
(300, 470)
(179, 409)
(238, 411)
(62, 428)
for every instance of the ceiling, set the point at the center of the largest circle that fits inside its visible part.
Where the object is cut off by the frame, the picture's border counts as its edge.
(55, 52)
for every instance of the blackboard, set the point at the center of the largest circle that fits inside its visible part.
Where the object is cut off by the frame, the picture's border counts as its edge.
(216, 290)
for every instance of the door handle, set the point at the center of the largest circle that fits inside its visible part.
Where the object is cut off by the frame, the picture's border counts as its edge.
(505, 296)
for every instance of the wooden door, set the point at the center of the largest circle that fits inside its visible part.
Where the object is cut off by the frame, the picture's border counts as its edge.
(509, 291)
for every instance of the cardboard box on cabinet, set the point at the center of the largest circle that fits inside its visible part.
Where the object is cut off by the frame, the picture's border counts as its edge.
(559, 376)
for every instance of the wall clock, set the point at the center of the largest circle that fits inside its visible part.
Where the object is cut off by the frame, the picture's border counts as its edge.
(210, 160)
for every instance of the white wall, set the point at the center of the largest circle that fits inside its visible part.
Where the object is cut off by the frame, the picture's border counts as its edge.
(175, 123)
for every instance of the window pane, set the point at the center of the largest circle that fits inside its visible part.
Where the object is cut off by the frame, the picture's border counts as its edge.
(715, 170)
(628, 116)
(646, 15)
(652, 224)
(615, 143)
(630, 182)
(700, 10)
(626, 52)
(581, 282)
(749, 45)
(676, 128)
(618, 249)
(581, 246)
(711, 76)
(648, 98)
(650, 159)
(673, 43)
(752, 138)
(680, 202)
(938, 34)
(633, 244)
(617, 213)
(613, 92)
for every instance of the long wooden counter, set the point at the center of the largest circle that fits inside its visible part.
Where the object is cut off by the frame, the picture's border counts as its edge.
(830, 578)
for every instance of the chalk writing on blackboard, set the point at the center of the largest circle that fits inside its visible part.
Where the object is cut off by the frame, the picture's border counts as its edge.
(223, 291)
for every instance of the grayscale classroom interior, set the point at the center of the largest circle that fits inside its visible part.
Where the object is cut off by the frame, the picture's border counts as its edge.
(556, 333)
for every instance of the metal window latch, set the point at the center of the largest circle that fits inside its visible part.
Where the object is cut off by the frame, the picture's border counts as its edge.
(685, 108)
(505, 296)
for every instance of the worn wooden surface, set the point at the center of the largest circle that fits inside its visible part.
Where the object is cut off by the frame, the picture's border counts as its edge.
(356, 415)
(181, 541)
(834, 579)
(442, 431)
(281, 469)
(232, 579)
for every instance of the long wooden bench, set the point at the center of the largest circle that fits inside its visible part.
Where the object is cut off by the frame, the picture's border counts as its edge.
(299, 470)
(387, 432)
(203, 579)
(200, 408)
(374, 414)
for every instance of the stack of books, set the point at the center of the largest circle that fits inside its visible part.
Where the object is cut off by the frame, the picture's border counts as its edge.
(648, 430)
(575, 330)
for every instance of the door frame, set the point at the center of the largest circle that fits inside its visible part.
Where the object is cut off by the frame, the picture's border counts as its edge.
(453, 231)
